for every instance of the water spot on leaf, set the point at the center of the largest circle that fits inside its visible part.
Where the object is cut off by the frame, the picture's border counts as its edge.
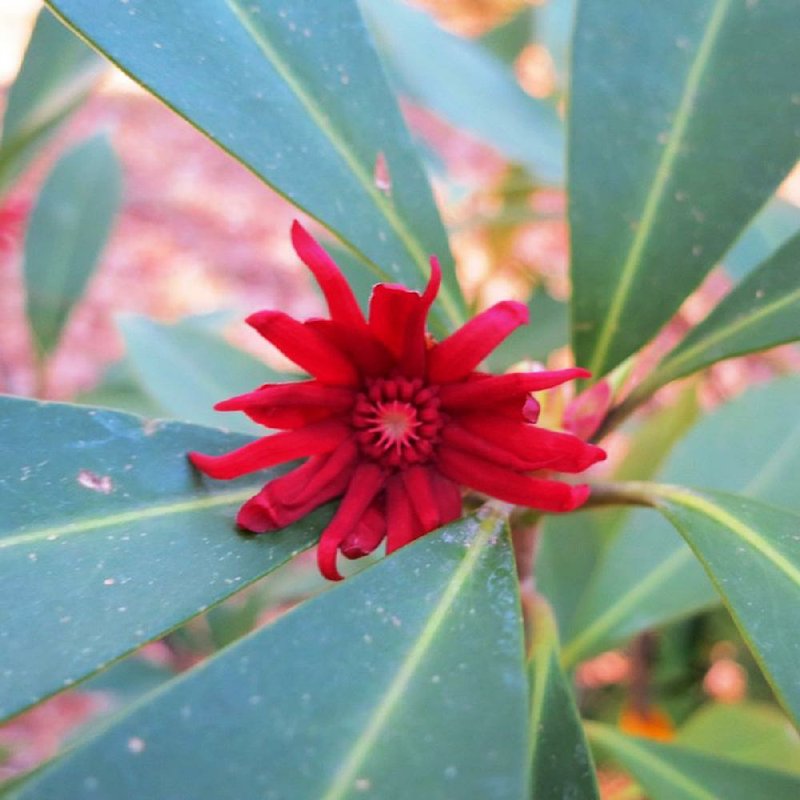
(97, 483)
(136, 745)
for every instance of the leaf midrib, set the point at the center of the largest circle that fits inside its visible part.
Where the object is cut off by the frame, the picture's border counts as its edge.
(341, 146)
(342, 781)
(633, 260)
(125, 517)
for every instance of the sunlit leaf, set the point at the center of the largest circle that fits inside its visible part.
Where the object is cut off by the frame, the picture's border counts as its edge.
(296, 93)
(108, 539)
(408, 675)
(678, 135)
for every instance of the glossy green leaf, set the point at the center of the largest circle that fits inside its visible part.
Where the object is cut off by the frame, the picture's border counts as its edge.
(751, 551)
(57, 72)
(761, 312)
(648, 576)
(296, 93)
(548, 330)
(108, 539)
(186, 370)
(561, 765)
(450, 74)
(678, 135)
(751, 733)
(670, 772)
(411, 674)
(774, 225)
(68, 229)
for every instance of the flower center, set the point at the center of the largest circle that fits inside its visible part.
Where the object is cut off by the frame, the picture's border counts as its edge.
(397, 421)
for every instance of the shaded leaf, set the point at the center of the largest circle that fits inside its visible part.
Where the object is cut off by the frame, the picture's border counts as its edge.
(751, 733)
(561, 765)
(670, 772)
(648, 576)
(357, 692)
(295, 93)
(186, 370)
(761, 312)
(678, 135)
(506, 40)
(57, 72)
(68, 229)
(108, 539)
(119, 389)
(448, 74)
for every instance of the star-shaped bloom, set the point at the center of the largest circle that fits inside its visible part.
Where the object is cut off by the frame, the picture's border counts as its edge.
(392, 423)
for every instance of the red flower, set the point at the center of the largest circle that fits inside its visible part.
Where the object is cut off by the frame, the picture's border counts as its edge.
(392, 422)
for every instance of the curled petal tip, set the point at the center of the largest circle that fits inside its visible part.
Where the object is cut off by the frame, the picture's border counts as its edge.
(519, 310)
(326, 558)
(580, 494)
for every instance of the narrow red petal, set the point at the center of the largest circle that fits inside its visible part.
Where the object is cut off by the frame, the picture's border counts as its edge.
(342, 303)
(448, 498)
(420, 491)
(497, 388)
(402, 525)
(413, 357)
(268, 510)
(337, 464)
(461, 352)
(391, 309)
(305, 347)
(320, 437)
(555, 450)
(281, 395)
(289, 419)
(366, 482)
(368, 534)
(468, 442)
(359, 346)
(504, 484)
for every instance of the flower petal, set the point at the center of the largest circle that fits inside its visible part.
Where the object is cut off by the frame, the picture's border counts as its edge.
(342, 303)
(402, 525)
(368, 534)
(359, 346)
(291, 405)
(466, 441)
(448, 498)
(336, 464)
(305, 347)
(458, 355)
(504, 484)
(499, 388)
(558, 451)
(419, 489)
(319, 437)
(366, 482)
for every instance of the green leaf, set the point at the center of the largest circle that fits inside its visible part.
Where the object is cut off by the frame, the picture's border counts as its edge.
(296, 94)
(762, 311)
(68, 229)
(561, 765)
(119, 389)
(507, 40)
(774, 225)
(751, 733)
(751, 551)
(554, 23)
(186, 369)
(57, 73)
(108, 539)
(450, 74)
(647, 575)
(678, 135)
(670, 772)
(547, 331)
(409, 674)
